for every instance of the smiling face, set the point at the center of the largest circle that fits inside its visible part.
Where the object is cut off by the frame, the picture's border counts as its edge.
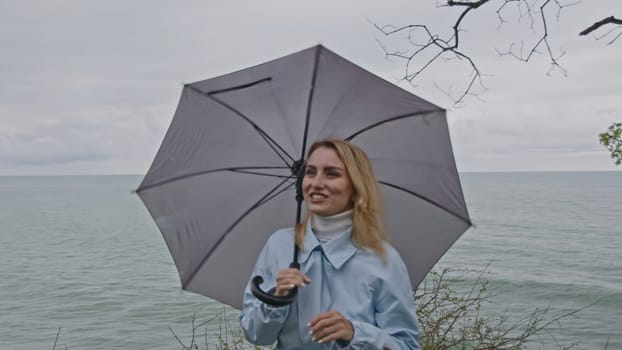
(326, 186)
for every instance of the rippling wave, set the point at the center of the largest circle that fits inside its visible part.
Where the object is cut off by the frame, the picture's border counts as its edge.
(82, 254)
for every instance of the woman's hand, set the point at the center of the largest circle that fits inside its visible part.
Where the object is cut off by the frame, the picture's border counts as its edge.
(287, 279)
(330, 326)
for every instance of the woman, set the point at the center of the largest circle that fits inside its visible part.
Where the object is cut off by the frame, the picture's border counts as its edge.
(354, 291)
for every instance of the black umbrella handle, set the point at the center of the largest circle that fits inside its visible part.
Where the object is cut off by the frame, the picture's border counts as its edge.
(298, 169)
(272, 299)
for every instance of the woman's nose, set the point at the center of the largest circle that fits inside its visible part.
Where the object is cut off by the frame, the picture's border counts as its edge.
(317, 181)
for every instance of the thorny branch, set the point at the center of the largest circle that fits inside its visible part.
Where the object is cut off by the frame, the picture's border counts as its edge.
(56, 340)
(192, 345)
(450, 319)
(449, 48)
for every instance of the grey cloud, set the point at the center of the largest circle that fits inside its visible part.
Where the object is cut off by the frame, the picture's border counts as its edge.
(97, 82)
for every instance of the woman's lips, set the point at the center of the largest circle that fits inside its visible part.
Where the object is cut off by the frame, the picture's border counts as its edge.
(317, 197)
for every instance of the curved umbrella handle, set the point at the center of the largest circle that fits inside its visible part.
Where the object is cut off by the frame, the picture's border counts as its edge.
(271, 299)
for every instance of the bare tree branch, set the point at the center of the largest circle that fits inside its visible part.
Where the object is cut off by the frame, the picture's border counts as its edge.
(601, 23)
(440, 48)
(543, 40)
(433, 47)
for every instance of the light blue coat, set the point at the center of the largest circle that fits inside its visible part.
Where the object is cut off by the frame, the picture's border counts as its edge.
(375, 296)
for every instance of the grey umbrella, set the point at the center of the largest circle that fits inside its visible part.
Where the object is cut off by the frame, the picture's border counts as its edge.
(225, 175)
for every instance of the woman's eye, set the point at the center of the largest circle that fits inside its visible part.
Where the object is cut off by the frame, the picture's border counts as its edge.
(309, 172)
(332, 174)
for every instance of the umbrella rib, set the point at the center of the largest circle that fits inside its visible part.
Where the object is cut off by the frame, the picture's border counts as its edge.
(310, 101)
(427, 200)
(198, 173)
(240, 87)
(259, 130)
(270, 142)
(384, 121)
(279, 192)
(305, 133)
(261, 174)
(257, 204)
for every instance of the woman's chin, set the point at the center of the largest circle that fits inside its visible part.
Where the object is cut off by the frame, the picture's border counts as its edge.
(324, 211)
(319, 210)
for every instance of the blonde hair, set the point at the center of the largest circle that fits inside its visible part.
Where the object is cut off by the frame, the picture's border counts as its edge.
(367, 227)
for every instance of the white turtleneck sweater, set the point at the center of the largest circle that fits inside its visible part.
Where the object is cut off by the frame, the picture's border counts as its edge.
(329, 227)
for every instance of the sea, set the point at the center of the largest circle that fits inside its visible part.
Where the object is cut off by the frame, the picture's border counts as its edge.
(83, 266)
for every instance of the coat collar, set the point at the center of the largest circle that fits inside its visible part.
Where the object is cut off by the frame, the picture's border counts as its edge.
(337, 251)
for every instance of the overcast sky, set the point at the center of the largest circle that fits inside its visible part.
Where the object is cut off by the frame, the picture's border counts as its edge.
(90, 87)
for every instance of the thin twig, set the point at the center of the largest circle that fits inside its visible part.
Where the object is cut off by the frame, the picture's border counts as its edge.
(178, 340)
(56, 340)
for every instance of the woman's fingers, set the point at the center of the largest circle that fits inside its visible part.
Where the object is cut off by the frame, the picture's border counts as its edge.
(292, 276)
(287, 279)
(330, 326)
(328, 333)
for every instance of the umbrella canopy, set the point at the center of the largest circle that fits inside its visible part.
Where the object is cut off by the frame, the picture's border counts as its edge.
(224, 177)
